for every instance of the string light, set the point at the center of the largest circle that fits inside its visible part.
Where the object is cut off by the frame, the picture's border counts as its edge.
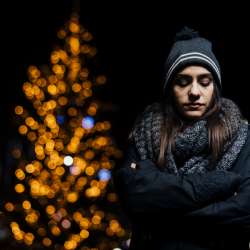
(68, 160)
(104, 174)
(87, 122)
(58, 190)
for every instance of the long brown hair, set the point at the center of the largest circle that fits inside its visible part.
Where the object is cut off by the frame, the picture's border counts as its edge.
(219, 130)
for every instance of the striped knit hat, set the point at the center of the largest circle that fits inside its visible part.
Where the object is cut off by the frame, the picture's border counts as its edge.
(191, 49)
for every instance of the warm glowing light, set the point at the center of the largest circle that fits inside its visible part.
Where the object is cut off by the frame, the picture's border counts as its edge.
(29, 238)
(89, 154)
(74, 27)
(101, 79)
(89, 171)
(31, 218)
(39, 150)
(87, 36)
(66, 224)
(112, 197)
(52, 79)
(50, 209)
(52, 89)
(85, 49)
(76, 238)
(47, 242)
(84, 74)
(75, 170)
(77, 216)
(57, 216)
(87, 92)
(69, 245)
(76, 87)
(19, 110)
(114, 225)
(74, 45)
(55, 230)
(30, 168)
(58, 69)
(81, 182)
(84, 234)
(106, 164)
(20, 174)
(61, 34)
(72, 197)
(19, 188)
(121, 232)
(72, 111)
(109, 232)
(9, 206)
(31, 136)
(61, 85)
(26, 205)
(23, 129)
(55, 57)
(66, 171)
(29, 121)
(84, 223)
(34, 72)
(59, 145)
(41, 82)
(50, 144)
(41, 231)
(50, 121)
(16, 153)
(96, 219)
(92, 52)
(60, 171)
(92, 192)
(92, 111)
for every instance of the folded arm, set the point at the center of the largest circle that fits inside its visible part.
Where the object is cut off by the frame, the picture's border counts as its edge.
(233, 211)
(148, 189)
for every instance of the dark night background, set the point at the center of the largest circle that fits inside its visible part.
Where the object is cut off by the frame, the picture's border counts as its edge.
(132, 42)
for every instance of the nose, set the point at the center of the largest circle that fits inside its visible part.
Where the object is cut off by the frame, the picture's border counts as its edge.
(194, 90)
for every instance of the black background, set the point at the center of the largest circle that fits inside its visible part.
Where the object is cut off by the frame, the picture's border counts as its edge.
(133, 40)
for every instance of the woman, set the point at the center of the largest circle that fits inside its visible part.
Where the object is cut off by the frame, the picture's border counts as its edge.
(185, 180)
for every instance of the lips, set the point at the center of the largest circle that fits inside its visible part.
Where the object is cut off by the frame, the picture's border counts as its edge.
(194, 105)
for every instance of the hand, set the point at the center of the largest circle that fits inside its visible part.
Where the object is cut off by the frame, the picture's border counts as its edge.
(133, 165)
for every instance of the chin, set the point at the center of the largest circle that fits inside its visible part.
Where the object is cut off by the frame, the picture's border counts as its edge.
(193, 115)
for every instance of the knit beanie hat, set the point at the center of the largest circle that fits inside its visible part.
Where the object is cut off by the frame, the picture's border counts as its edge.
(191, 49)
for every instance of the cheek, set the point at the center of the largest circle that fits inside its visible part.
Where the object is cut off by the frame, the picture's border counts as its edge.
(209, 94)
(177, 97)
(179, 94)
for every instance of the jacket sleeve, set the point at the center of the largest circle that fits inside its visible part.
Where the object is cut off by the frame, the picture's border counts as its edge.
(233, 211)
(147, 189)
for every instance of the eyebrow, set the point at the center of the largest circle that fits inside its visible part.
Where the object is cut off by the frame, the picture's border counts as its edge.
(200, 75)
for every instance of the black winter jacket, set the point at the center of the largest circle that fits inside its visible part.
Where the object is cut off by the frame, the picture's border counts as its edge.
(197, 212)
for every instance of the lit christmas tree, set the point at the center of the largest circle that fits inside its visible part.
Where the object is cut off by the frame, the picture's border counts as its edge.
(64, 197)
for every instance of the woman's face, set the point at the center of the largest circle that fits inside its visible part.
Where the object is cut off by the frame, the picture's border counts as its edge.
(193, 90)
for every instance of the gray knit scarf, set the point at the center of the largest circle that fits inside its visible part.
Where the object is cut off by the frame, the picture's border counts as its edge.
(191, 144)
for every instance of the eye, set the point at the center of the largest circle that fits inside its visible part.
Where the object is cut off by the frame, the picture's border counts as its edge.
(182, 80)
(205, 81)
